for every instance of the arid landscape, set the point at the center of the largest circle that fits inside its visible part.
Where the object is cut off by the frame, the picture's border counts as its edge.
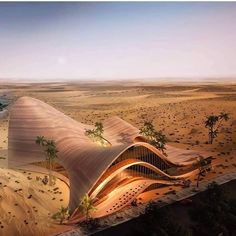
(178, 109)
(117, 118)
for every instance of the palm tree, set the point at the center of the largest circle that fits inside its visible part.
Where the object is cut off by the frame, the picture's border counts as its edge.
(202, 165)
(213, 124)
(40, 140)
(96, 134)
(224, 116)
(210, 123)
(86, 206)
(50, 151)
(62, 214)
(156, 138)
(99, 129)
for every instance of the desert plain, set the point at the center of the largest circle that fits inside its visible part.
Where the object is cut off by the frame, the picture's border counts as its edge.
(179, 110)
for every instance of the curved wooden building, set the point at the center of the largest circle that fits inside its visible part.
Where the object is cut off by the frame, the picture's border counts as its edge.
(103, 172)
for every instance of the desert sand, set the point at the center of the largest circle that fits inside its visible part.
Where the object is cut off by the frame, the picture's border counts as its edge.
(179, 110)
(27, 204)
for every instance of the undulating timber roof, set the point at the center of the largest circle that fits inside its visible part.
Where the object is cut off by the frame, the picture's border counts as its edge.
(84, 160)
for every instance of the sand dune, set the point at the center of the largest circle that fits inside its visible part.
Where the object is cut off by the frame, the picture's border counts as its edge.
(26, 205)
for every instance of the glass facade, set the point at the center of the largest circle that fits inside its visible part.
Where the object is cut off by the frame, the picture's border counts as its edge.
(140, 153)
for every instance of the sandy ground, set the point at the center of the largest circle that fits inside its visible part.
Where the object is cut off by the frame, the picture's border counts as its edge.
(178, 110)
(26, 204)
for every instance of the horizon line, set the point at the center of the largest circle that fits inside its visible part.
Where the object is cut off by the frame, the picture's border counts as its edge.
(188, 78)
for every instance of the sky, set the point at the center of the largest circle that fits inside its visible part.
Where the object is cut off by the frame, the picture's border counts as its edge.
(117, 40)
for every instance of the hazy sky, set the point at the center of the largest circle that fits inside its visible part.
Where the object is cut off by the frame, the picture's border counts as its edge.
(117, 40)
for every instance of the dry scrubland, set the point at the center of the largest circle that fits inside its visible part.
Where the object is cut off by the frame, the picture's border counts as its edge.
(178, 110)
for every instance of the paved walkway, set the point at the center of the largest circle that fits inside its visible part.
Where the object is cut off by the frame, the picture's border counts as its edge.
(132, 212)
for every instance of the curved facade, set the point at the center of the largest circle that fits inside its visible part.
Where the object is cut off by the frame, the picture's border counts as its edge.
(103, 172)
